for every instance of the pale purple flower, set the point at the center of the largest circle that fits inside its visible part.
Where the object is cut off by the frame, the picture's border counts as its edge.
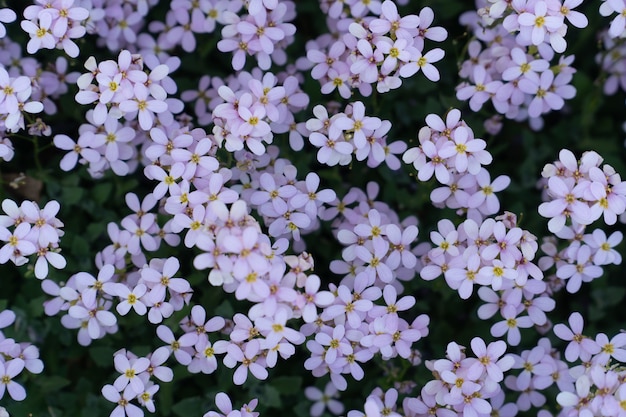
(143, 106)
(565, 203)
(580, 346)
(6, 16)
(130, 370)
(8, 370)
(423, 62)
(324, 399)
(248, 359)
(17, 246)
(40, 34)
(511, 325)
(122, 399)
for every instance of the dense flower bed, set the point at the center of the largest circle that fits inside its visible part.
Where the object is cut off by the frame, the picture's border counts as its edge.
(346, 207)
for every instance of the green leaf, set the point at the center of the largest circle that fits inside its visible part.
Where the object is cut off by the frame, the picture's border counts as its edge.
(102, 355)
(287, 385)
(189, 407)
(271, 397)
(102, 192)
(72, 195)
(51, 384)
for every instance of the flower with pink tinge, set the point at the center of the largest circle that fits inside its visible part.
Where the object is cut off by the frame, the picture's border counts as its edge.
(248, 359)
(470, 153)
(498, 275)
(260, 30)
(490, 359)
(331, 151)
(159, 276)
(482, 89)
(91, 288)
(580, 270)
(97, 319)
(9, 88)
(539, 25)
(275, 330)
(156, 368)
(485, 196)
(390, 295)
(130, 370)
(46, 256)
(463, 279)
(375, 259)
(505, 245)
(610, 196)
(580, 346)
(543, 97)
(356, 124)
(17, 246)
(346, 305)
(537, 367)
(437, 153)
(366, 63)
(565, 204)
(391, 22)
(131, 299)
(604, 247)
(511, 325)
(399, 244)
(41, 34)
(314, 298)
(122, 399)
(145, 108)
(335, 342)
(422, 62)
(181, 346)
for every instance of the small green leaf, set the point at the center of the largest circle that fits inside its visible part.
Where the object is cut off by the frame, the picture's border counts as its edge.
(287, 385)
(102, 355)
(271, 397)
(51, 384)
(189, 407)
(102, 192)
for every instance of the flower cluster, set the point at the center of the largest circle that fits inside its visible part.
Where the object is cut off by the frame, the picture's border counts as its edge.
(510, 60)
(135, 381)
(29, 230)
(342, 134)
(116, 23)
(264, 32)
(352, 328)
(463, 384)
(594, 387)
(578, 193)
(612, 60)
(225, 405)
(369, 50)
(497, 255)
(253, 107)
(618, 24)
(449, 151)
(15, 98)
(125, 89)
(53, 24)
(14, 358)
(581, 191)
